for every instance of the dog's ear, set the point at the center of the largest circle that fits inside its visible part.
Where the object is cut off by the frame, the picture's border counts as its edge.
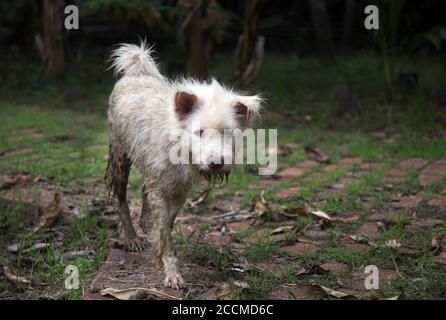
(247, 109)
(185, 104)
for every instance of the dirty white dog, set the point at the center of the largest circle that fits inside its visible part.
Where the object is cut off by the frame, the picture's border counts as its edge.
(144, 109)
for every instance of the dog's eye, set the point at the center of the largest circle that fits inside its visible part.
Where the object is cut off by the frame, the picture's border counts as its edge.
(199, 132)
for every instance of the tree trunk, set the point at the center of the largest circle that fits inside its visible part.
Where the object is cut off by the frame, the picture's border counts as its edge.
(53, 35)
(250, 47)
(197, 56)
(322, 30)
(349, 17)
(198, 42)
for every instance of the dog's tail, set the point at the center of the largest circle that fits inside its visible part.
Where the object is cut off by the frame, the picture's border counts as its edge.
(135, 60)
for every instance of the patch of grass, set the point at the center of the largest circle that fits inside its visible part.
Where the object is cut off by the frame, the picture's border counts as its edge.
(261, 250)
(260, 285)
(56, 127)
(207, 254)
(48, 265)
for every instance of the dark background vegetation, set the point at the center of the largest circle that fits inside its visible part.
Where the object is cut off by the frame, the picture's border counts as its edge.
(311, 48)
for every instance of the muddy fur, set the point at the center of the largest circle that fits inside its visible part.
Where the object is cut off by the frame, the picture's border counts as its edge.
(144, 109)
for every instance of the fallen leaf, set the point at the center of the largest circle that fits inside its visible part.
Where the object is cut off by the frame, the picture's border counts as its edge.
(435, 246)
(14, 248)
(294, 212)
(392, 244)
(337, 294)
(229, 291)
(241, 284)
(135, 293)
(78, 254)
(282, 229)
(17, 280)
(260, 205)
(9, 182)
(322, 215)
(317, 154)
(51, 213)
(316, 270)
(199, 198)
(286, 149)
(393, 298)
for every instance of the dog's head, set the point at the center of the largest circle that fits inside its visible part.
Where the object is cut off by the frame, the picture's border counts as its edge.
(209, 113)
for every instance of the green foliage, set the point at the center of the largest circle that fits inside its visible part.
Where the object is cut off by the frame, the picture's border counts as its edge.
(132, 10)
(390, 21)
(392, 44)
(435, 38)
(10, 11)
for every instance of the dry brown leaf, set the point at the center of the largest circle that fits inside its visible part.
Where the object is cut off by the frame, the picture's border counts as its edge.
(78, 254)
(51, 213)
(337, 294)
(322, 215)
(135, 293)
(282, 229)
(17, 280)
(286, 149)
(294, 212)
(14, 248)
(9, 182)
(260, 205)
(199, 198)
(393, 243)
(317, 154)
(408, 251)
(435, 245)
(228, 291)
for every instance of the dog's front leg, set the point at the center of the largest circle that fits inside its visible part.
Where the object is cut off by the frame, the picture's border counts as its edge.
(163, 214)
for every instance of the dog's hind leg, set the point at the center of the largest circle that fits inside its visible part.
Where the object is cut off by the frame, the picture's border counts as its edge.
(118, 171)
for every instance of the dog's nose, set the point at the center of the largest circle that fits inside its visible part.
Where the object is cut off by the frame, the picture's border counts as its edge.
(216, 166)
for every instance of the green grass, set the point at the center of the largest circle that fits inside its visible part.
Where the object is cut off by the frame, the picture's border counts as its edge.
(56, 127)
(48, 265)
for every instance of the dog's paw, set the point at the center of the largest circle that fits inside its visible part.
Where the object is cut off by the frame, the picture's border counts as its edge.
(174, 281)
(132, 245)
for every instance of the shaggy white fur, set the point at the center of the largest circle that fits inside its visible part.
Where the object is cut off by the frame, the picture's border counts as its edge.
(145, 109)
